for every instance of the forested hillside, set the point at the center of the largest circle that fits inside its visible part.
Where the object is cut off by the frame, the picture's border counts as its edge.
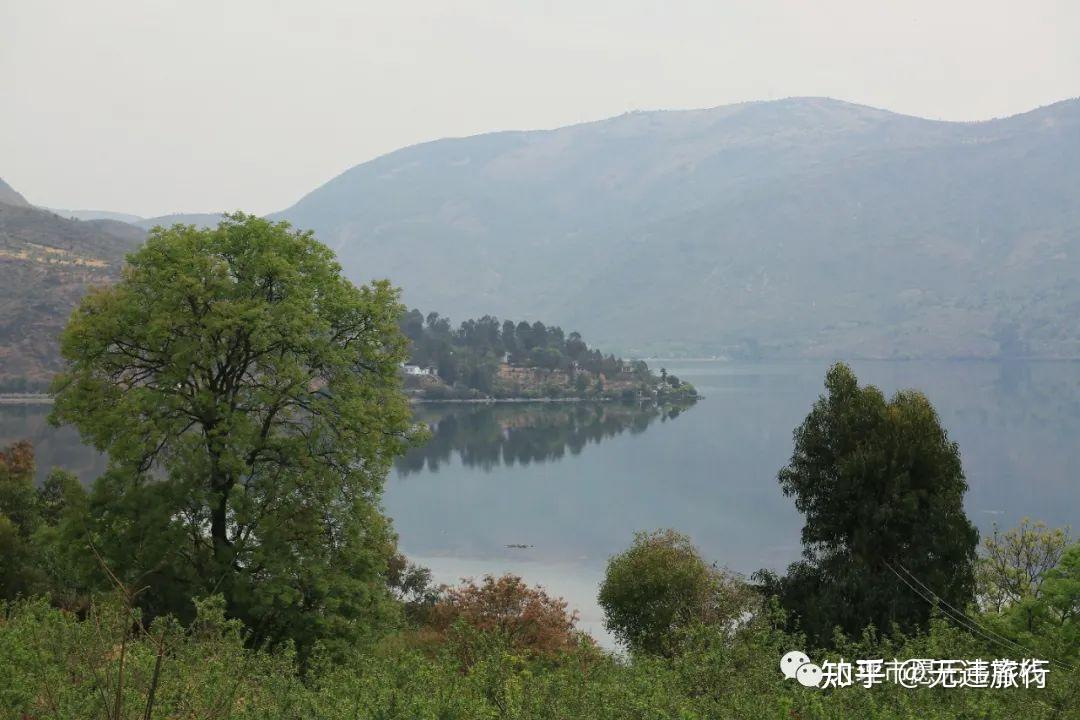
(201, 220)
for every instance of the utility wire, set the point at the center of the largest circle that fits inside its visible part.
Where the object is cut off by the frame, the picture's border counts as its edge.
(955, 612)
(960, 621)
(969, 619)
(964, 621)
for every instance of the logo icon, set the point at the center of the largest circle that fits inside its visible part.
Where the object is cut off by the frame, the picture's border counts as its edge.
(796, 665)
(808, 675)
(915, 672)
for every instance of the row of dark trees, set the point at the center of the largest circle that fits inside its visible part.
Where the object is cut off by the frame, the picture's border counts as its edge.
(470, 353)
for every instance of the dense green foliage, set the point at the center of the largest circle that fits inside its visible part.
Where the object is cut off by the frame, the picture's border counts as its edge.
(249, 401)
(1058, 614)
(468, 359)
(494, 649)
(882, 490)
(660, 587)
(434, 342)
(56, 667)
(233, 561)
(1028, 582)
(38, 530)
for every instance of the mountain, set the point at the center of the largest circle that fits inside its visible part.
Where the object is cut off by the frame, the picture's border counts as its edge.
(8, 196)
(802, 227)
(96, 215)
(200, 220)
(47, 263)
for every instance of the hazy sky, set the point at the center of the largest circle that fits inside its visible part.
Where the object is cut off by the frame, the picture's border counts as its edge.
(155, 106)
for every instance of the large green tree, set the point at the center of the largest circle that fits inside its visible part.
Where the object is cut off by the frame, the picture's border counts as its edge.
(248, 398)
(881, 487)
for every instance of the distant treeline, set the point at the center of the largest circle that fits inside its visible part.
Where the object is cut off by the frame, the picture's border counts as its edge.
(436, 343)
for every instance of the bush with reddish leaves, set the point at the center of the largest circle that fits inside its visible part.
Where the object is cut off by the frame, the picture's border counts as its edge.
(527, 618)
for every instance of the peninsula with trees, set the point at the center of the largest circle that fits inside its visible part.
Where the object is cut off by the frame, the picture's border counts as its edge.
(485, 359)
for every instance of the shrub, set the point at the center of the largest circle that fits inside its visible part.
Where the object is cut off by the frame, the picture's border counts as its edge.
(529, 619)
(661, 586)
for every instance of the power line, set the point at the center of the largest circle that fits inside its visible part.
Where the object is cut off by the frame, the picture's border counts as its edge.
(963, 620)
(965, 616)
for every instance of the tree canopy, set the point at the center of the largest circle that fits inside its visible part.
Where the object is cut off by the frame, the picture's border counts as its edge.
(35, 528)
(455, 351)
(1029, 586)
(248, 397)
(468, 358)
(881, 487)
(660, 587)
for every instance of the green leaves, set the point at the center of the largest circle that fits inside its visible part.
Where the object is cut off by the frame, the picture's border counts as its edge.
(248, 398)
(39, 527)
(56, 666)
(661, 587)
(880, 484)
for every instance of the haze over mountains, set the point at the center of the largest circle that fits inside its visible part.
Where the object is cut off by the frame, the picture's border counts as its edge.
(794, 228)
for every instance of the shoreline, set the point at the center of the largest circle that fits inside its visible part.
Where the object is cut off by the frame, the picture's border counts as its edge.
(43, 399)
(25, 399)
(492, 401)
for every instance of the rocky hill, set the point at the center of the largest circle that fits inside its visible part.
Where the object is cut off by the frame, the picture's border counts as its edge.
(47, 263)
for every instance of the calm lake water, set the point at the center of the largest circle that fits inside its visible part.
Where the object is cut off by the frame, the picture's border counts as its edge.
(571, 483)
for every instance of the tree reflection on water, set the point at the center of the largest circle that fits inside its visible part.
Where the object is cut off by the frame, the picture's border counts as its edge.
(490, 435)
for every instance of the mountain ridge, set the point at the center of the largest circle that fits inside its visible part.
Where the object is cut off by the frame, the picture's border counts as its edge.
(700, 210)
(201, 220)
(659, 111)
(803, 227)
(10, 196)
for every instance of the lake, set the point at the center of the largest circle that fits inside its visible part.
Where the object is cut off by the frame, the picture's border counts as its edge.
(550, 491)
